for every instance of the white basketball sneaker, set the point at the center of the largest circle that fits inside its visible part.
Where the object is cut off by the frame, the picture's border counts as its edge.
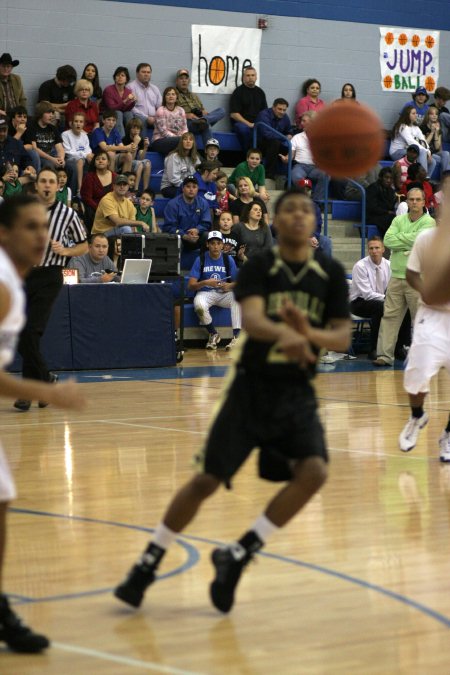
(408, 438)
(444, 445)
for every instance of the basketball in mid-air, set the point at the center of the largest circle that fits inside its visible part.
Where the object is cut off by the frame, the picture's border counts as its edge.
(346, 139)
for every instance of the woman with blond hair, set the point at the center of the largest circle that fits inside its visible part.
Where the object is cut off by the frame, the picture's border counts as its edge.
(83, 91)
(178, 164)
(246, 195)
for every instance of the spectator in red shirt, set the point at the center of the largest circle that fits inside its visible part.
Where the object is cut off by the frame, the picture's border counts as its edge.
(310, 101)
(97, 182)
(83, 91)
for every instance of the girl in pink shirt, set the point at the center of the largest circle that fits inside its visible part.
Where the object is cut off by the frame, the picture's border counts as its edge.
(170, 123)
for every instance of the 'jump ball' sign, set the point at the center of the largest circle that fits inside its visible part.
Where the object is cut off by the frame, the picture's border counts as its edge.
(409, 58)
(219, 55)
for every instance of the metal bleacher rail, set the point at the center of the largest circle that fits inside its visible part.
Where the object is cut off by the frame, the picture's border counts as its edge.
(363, 211)
(260, 125)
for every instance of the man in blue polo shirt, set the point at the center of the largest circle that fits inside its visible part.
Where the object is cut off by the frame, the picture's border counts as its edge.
(271, 145)
(212, 278)
(188, 215)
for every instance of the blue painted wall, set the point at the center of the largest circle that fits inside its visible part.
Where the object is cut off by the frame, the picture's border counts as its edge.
(44, 34)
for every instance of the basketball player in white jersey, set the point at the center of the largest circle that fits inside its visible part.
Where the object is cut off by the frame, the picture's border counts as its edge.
(430, 348)
(23, 241)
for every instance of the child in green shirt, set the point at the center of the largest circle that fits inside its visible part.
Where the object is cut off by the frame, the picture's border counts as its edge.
(253, 169)
(64, 193)
(146, 213)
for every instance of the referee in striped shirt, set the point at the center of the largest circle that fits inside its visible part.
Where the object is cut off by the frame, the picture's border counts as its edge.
(44, 283)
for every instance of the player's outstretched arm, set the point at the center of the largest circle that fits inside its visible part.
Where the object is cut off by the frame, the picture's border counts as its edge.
(436, 284)
(66, 395)
(336, 338)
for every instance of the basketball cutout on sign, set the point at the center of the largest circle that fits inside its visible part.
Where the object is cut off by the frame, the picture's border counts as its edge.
(346, 139)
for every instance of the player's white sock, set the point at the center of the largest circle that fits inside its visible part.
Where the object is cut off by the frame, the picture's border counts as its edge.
(264, 528)
(163, 536)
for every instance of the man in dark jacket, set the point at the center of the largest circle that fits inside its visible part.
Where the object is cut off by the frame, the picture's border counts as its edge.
(381, 201)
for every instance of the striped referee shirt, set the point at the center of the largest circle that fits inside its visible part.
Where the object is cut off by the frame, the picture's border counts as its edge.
(64, 227)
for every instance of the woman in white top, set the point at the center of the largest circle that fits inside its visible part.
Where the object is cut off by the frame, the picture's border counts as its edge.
(180, 163)
(406, 133)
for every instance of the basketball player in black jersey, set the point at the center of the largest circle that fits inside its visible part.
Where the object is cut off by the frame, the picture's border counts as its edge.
(294, 302)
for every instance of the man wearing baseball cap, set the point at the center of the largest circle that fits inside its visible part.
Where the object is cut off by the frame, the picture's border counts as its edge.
(115, 213)
(188, 215)
(317, 240)
(11, 88)
(212, 278)
(199, 120)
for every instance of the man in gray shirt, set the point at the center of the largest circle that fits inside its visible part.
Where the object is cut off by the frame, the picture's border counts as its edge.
(95, 267)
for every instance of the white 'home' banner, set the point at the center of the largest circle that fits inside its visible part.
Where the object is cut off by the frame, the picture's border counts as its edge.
(219, 54)
(409, 58)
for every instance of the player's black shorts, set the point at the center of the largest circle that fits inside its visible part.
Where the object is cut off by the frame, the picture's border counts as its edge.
(276, 415)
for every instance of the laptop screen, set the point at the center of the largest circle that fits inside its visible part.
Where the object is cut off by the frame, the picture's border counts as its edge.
(136, 271)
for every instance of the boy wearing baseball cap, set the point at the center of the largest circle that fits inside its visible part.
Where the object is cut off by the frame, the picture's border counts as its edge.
(212, 278)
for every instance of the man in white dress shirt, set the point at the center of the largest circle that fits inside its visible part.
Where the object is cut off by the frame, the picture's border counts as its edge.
(370, 277)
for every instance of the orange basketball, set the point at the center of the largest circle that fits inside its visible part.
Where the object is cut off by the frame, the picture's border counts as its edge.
(403, 39)
(429, 41)
(217, 70)
(415, 40)
(430, 84)
(389, 38)
(387, 81)
(346, 139)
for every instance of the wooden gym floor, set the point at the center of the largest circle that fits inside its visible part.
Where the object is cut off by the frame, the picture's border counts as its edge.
(358, 583)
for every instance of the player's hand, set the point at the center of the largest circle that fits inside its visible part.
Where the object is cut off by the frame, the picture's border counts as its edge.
(295, 318)
(297, 348)
(67, 395)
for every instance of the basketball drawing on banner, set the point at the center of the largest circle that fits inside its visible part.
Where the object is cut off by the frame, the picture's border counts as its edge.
(409, 58)
(219, 55)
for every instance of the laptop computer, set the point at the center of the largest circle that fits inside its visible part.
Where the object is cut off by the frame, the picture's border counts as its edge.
(136, 271)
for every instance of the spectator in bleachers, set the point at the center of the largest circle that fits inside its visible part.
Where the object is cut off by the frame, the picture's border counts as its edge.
(14, 184)
(277, 119)
(417, 177)
(188, 215)
(370, 277)
(302, 160)
(441, 96)
(420, 98)
(2, 189)
(148, 97)
(206, 176)
(317, 240)
(230, 243)
(90, 73)
(109, 140)
(18, 118)
(400, 238)
(224, 197)
(45, 138)
(252, 232)
(82, 103)
(311, 100)
(432, 130)
(212, 278)
(352, 193)
(140, 164)
(95, 267)
(11, 87)
(400, 167)
(246, 195)
(178, 164)
(119, 97)
(11, 150)
(64, 193)
(146, 213)
(212, 149)
(199, 120)
(246, 101)
(97, 182)
(116, 214)
(59, 90)
(348, 92)
(381, 201)
(254, 169)
(77, 151)
(406, 132)
(170, 123)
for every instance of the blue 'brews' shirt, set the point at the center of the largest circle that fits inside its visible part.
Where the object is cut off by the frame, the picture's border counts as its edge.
(213, 269)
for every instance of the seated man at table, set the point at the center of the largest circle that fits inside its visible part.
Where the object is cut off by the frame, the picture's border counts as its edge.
(95, 267)
(188, 215)
(115, 213)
